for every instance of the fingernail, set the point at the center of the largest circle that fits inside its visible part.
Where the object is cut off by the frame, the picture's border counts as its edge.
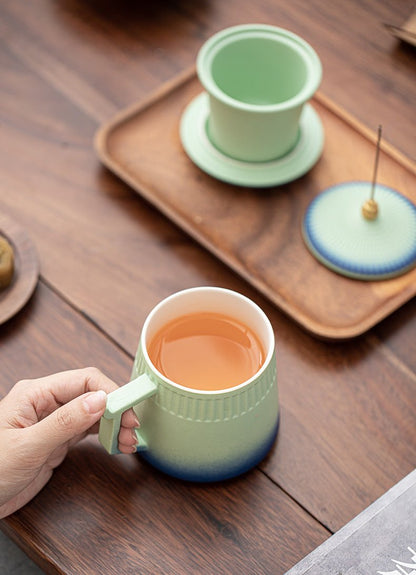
(136, 422)
(95, 401)
(134, 437)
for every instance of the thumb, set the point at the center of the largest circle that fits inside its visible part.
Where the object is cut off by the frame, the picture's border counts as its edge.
(68, 421)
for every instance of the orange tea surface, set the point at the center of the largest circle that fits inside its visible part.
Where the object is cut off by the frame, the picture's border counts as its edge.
(206, 351)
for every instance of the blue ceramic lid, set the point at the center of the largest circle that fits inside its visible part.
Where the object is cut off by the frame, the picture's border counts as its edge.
(340, 237)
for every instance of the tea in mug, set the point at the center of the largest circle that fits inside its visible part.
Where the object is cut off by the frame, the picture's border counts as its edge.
(206, 351)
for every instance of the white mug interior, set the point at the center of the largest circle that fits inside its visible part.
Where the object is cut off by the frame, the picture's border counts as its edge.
(209, 299)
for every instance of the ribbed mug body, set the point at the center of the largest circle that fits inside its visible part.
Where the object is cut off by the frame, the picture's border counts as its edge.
(208, 437)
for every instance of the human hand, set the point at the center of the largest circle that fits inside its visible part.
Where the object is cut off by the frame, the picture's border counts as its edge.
(41, 419)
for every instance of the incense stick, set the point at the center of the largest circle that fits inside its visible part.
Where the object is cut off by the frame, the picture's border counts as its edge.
(373, 184)
(370, 208)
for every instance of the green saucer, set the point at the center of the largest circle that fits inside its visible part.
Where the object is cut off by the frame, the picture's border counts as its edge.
(253, 174)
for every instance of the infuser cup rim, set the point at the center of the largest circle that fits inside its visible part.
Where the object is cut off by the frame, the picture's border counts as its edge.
(224, 37)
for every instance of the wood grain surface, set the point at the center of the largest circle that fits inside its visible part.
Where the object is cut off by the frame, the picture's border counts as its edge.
(108, 256)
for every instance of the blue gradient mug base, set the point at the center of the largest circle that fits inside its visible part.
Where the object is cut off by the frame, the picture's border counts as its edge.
(191, 434)
(213, 472)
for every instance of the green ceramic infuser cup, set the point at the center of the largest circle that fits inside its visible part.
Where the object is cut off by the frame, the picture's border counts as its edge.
(258, 79)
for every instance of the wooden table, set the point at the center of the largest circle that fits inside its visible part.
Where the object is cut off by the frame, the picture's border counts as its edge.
(107, 257)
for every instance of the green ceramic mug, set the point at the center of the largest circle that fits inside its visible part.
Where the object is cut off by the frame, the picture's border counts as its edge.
(199, 434)
(258, 78)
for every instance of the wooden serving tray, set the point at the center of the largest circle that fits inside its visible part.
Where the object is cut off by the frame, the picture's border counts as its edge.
(257, 232)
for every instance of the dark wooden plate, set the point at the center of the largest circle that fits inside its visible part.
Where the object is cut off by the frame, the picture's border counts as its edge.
(26, 271)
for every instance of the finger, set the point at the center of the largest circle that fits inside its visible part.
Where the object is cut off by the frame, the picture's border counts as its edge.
(129, 419)
(47, 393)
(127, 436)
(72, 383)
(67, 385)
(67, 422)
(126, 449)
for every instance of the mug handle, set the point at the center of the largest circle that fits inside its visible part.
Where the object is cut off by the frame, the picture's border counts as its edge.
(118, 402)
